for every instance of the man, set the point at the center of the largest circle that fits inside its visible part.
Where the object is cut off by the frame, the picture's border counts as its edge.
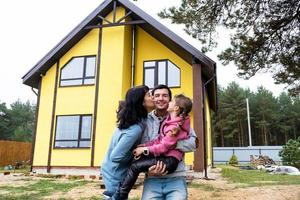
(158, 185)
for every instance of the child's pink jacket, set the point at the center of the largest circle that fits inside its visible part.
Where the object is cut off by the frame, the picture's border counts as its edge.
(165, 143)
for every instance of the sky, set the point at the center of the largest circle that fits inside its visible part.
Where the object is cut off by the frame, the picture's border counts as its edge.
(31, 28)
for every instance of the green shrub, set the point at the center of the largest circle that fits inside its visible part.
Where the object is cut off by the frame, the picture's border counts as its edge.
(290, 153)
(233, 160)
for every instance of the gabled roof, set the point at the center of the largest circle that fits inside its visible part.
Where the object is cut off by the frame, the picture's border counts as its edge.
(152, 26)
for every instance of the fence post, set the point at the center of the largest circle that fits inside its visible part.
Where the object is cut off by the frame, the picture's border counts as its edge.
(259, 150)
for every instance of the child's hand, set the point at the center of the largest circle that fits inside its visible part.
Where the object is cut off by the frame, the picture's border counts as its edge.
(138, 151)
(141, 145)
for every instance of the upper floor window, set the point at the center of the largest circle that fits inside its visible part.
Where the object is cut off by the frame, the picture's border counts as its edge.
(161, 72)
(79, 71)
(73, 131)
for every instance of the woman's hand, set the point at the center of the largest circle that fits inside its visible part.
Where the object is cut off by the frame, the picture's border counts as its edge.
(138, 151)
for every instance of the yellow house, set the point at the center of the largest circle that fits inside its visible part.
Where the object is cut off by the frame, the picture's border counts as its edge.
(82, 79)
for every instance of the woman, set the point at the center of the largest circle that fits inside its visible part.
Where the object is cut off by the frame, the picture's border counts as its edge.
(130, 117)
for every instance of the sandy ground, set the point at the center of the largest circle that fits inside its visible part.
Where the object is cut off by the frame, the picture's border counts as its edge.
(220, 189)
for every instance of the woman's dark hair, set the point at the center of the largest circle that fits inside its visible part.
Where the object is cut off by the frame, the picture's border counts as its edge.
(132, 110)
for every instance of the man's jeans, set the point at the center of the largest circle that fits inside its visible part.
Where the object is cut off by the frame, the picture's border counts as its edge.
(165, 189)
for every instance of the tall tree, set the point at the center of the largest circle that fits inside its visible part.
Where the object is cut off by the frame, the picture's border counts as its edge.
(266, 38)
(286, 118)
(234, 107)
(264, 113)
(22, 120)
(296, 116)
(219, 121)
(5, 131)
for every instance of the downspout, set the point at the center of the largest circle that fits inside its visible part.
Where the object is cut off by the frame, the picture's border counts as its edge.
(204, 127)
(35, 124)
(133, 55)
(34, 91)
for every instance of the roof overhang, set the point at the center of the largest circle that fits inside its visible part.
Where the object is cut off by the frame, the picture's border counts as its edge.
(152, 26)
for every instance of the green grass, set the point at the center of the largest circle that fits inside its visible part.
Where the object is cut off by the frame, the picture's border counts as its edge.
(38, 189)
(257, 177)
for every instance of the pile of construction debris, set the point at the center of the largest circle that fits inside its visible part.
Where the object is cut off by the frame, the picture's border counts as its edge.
(261, 160)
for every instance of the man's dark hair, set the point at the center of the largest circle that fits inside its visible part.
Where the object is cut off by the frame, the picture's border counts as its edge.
(132, 111)
(158, 87)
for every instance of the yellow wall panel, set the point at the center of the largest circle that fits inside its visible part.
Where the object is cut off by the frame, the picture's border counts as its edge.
(113, 82)
(127, 51)
(75, 100)
(44, 118)
(71, 157)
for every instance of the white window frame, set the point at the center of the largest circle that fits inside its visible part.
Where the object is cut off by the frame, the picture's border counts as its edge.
(154, 65)
(78, 134)
(80, 81)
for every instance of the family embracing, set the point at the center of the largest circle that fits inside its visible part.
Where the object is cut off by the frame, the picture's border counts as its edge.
(153, 143)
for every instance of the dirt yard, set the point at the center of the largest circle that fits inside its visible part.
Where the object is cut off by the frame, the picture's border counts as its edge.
(11, 187)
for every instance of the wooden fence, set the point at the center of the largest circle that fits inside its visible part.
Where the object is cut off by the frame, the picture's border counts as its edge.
(12, 152)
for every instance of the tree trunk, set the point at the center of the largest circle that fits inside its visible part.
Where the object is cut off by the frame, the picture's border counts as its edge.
(222, 138)
(242, 134)
(285, 137)
(239, 134)
(265, 134)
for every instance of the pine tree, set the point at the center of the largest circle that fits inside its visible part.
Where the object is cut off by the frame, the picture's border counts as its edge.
(266, 38)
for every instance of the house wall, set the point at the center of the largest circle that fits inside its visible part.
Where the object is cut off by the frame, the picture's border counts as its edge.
(114, 81)
(149, 48)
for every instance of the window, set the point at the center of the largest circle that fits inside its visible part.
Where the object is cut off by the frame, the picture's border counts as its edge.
(73, 131)
(161, 72)
(78, 71)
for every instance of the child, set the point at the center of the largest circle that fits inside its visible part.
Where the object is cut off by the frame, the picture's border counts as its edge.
(174, 128)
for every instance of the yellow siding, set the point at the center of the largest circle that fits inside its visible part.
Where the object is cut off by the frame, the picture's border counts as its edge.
(208, 130)
(75, 100)
(114, 82)
(127, 51)
(148, 48)
(44, 118)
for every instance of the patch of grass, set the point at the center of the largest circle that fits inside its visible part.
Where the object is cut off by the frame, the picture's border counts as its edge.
(216, 194)
(52, 176)
(38, 189)
(258, 178)
(20, 197)
(205, 187)
(75, 177)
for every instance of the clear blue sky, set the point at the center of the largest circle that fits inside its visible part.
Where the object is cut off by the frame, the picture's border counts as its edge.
(31, 28)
